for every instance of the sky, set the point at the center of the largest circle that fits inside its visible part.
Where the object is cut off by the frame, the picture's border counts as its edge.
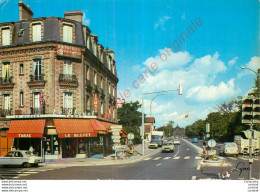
(206, 61)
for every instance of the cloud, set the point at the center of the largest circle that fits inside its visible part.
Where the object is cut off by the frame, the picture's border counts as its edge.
(232, 61)
(213, 93)
(161, 21)
(4, 2)
(167, 59)
(86, 21)
(253, 64)
(170, 115)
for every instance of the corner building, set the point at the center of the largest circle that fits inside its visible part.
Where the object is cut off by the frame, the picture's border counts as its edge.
(57, 88)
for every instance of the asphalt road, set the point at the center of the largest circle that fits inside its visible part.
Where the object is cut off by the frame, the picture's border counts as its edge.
(180, 165)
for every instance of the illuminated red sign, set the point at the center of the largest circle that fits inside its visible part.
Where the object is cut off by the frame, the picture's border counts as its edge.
(95, 103)
(68, 51)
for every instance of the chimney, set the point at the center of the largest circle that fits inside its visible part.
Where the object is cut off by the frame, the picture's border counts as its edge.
(74, 15)
(24, 11)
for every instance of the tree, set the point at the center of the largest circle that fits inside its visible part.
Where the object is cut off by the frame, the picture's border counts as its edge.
(131, 119)
(168, 129)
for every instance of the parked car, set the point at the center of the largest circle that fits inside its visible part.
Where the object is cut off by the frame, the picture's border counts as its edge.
(20, 157)
(195, 140)
(153, 145)
(229, 148)
(176, 142)
(168, 147)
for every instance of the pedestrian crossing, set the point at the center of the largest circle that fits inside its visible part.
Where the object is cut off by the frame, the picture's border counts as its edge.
(241, 158)
(16, 173)
(174, 158)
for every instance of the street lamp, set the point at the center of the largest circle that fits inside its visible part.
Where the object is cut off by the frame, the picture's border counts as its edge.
(251, 127)
(152, 101)
(142, 132)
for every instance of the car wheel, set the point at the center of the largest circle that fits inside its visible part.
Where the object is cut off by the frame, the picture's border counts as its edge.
(26, 165)
(35, 165)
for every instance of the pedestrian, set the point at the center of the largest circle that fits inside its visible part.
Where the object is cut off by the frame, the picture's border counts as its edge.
(31, 149)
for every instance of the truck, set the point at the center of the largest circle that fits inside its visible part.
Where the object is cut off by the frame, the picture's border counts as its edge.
(243, 140)
(157, 137)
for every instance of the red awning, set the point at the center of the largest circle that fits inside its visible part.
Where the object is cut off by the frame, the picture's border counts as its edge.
(71, 128)
(107, 126)
(98, 127)
(26, 128)
(123, 133)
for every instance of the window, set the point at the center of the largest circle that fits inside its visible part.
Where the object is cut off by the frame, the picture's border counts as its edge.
(6, 36)
(36, 100)
(67, 67)
(102, 108)
(37, 34)
(109, 63)
(88, 104)
(67, 102)
(95, 77)
(87, 73)
(113, 91)
(7, 102)
(109, 87)
(101, 83)
(21, 69)
(95, 48)
(113, 69)
(67, 33)
(37, 69)
(21, 99)
(6, 71)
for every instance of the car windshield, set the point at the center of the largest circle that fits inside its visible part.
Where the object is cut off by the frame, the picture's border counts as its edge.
(28, 153)
(169, 143)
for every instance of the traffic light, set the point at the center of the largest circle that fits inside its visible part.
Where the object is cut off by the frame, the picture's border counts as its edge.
(256, 111)
(247, 110)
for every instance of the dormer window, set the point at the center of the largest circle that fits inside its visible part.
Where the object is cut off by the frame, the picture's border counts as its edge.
(6, 36)
(37, 34)
(67, 33)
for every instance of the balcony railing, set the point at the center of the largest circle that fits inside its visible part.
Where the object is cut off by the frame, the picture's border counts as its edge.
(5, 112)
(103, 94)
(36, 78)
(37, 111)
(89, 86)
(67, 78)
(68, 111)
(6, 80)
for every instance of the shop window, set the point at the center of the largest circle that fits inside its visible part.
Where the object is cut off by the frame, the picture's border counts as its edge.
(6, 36)
(36, 32)
(21, 99)
(21, 69)
(67, 33)
(51, 145)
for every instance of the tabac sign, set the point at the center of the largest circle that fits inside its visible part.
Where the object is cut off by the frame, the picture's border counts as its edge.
(68, 51)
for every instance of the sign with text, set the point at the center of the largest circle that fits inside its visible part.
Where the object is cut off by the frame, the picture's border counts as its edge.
(68, 51)
(25, 135)
(95, 103)
(73, 135)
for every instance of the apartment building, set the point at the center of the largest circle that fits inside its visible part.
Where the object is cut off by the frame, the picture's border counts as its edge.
(58, 86)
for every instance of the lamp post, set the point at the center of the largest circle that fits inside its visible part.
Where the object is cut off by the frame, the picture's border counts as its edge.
(142, 131)
(250, 160)
(152, 101)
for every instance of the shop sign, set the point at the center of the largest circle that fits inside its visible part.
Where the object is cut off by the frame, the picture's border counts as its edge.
(71, 135)
(95, 103)
(24, 135)
(68, 51)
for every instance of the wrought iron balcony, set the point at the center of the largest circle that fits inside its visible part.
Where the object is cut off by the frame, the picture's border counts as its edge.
(68, 78)
(89, 86)
(5, 112)
(6, 83)
(36, 78)
(37, 111)
(103, 94)
(68, 111)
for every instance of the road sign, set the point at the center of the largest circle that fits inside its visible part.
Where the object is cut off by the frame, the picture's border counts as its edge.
(130, 136)
(116, 133)
(95, 103)
(115, 136)
(212, 143)
(119, 147)
(116, 140)
(207, 127)
(208, 135)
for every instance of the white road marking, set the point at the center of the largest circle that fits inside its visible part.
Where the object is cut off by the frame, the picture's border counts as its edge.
(193, 178)
(177, 157)
(15, 177)
(197, 157)
(158, 164)
(157, 158)
(24, 174)
(243, 158)
(147, 159)
(232, 158)
(31, 172)
(188, 157)
(177, 152)
(198, 168)
(166, 158)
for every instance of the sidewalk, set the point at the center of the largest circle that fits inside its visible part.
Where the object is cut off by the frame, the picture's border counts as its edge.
(109, 160)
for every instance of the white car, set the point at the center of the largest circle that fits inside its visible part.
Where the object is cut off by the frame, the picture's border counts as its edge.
(229, 148)
(176, 142)
(20, 157)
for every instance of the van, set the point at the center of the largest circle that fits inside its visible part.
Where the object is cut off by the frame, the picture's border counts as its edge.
(229, 148)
